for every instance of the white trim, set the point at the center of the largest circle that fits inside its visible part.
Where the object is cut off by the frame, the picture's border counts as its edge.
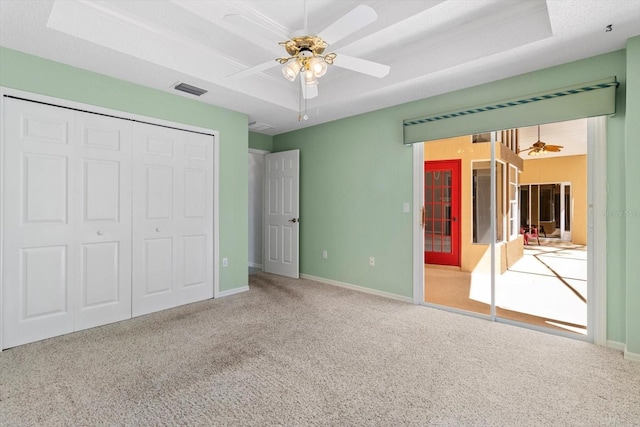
(597, 228)
(596, 239)
(61, 102)
(493, 226)
(634, 357)
(615, 345)
(2, 108)
(253, 264)
(357, 288)
(418, 235)
(232, 292)
(216, 216)
(557, 332)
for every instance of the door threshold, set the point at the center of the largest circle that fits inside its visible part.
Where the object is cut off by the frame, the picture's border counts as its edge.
(444, 267)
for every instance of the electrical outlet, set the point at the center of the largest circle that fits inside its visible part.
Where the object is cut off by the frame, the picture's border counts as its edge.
(225, 262)
(372, 261)
(325, 255)
(405, 207)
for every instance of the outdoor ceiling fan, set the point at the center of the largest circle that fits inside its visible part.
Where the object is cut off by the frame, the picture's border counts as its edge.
(540, 147)
(306, 55)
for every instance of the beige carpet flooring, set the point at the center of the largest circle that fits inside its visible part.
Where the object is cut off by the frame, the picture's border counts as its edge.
(297, 352)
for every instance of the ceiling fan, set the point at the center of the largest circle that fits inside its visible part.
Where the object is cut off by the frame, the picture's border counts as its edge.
(540, 147)
(306, 55)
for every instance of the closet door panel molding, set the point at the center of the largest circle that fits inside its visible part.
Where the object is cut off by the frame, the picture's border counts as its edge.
(103, 232)
(38, 220)
(104, 215)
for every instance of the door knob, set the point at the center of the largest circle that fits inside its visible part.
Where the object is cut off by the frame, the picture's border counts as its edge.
(99, 233)
(158, 229)
(294, 220)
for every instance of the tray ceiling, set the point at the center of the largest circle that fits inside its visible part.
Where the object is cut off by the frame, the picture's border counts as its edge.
(432, 46)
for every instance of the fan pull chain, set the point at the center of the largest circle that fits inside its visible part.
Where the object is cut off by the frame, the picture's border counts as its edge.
(300, 102)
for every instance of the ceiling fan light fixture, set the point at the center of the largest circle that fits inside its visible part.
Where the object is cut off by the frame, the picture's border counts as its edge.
(291, 70)
(310, 78)
(317, 66)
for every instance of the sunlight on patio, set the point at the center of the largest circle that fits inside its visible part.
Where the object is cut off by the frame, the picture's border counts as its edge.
(548, 282)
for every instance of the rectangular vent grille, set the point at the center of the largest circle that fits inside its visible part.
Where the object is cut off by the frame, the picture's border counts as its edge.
(190, 89)
(257, 127)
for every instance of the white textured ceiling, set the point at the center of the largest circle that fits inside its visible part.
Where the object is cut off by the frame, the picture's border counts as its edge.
(432, 46)
(570, 135)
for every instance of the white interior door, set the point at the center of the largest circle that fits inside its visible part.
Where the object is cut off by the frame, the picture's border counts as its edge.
(172, 218)
(281, 213)
(103, 231)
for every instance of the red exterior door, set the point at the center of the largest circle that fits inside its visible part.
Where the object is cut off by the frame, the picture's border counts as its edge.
(442, 212)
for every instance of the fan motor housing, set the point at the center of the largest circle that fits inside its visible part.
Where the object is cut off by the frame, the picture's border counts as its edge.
(312, 43)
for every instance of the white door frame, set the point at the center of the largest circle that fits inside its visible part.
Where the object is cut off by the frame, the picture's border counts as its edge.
(564, 234)
(5, 91)
(259, 152)
(596, 230)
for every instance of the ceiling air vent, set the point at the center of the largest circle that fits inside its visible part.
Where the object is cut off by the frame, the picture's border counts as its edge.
(258, 127)
(190, 89)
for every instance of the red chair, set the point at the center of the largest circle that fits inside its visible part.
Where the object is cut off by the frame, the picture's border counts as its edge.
(529, 232)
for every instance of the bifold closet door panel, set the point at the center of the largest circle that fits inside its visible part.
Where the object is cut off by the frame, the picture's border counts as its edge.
(103, 231)
(67, 221)
(195, 214)
(172, 218)
(39, 187)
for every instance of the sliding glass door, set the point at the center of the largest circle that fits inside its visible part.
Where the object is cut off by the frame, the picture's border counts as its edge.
(547, 207)
(523, 230)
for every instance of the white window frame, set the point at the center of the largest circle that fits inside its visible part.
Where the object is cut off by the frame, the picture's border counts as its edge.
(514, 209)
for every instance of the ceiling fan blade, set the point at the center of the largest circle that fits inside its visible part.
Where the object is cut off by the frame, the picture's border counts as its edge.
(553, 148)
(361, 65)
(253, 70)
(352, 21)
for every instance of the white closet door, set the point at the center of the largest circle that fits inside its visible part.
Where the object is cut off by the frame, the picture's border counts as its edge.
(39, 196)
(172, 218)
(67, 221)
(194, 226)
(103, 232)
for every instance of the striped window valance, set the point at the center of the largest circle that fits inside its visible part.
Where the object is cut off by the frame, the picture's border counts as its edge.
(585, 100)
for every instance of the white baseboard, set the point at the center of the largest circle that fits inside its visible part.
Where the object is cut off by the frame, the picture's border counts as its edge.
(616, 345)
(634, 357)
(253, 264)
(357, 288)
(230, 292)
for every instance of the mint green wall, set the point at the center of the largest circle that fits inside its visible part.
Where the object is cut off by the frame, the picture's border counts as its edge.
(632, 209)
(38, 75)
(355, 175)
(260, 141)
